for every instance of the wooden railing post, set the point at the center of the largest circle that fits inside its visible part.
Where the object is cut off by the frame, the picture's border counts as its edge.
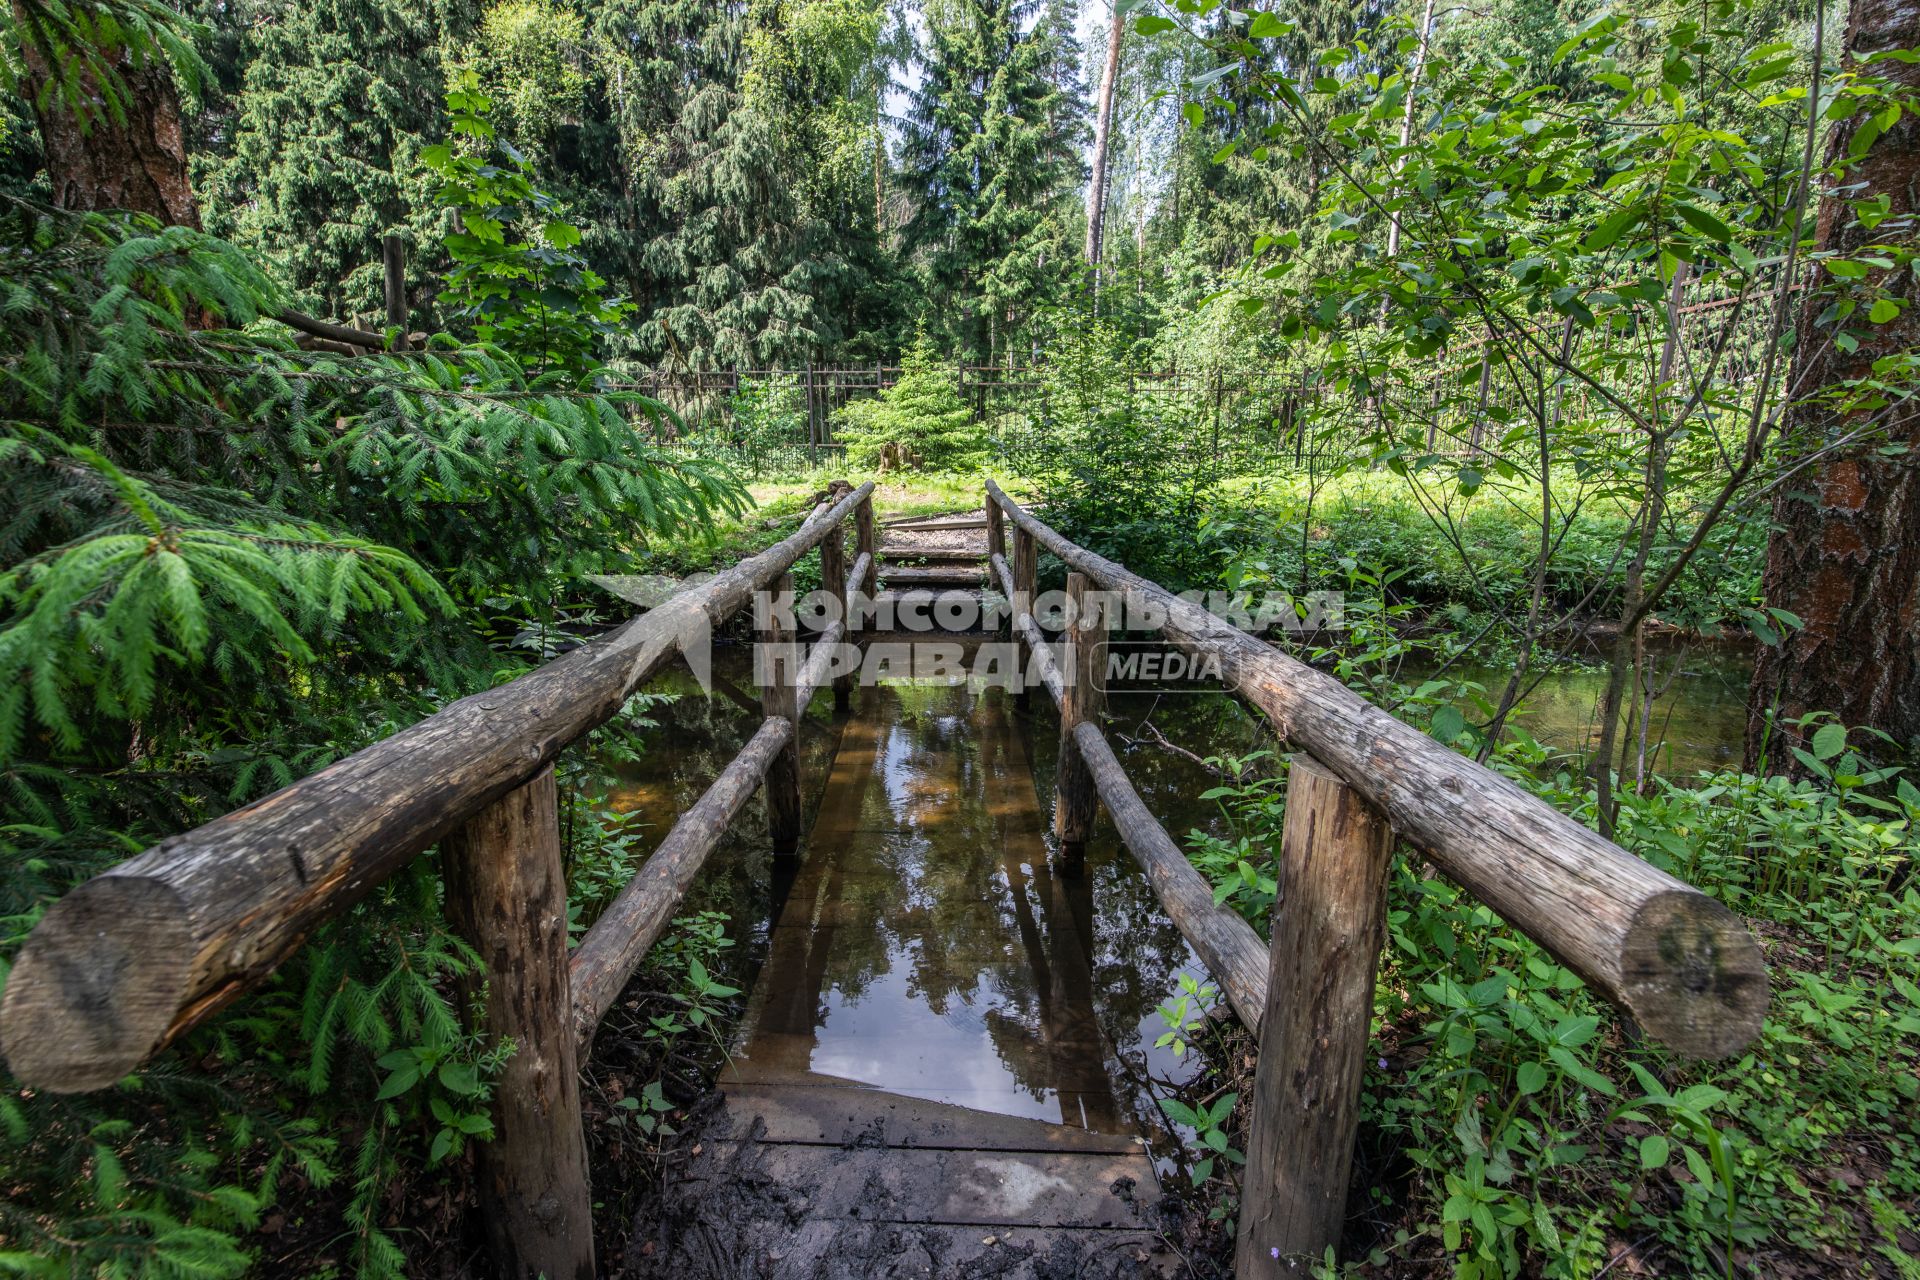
(1025, 554)
(1082, 697)
(778, 663)
(833, 578)
(393, 262)
(507, 896)
(864, 542)
(1328, 925)
(996, 546)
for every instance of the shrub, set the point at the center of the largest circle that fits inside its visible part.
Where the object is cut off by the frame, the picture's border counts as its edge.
(918, 423)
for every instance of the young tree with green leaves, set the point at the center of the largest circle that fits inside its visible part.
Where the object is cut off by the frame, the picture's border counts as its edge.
(919, 423)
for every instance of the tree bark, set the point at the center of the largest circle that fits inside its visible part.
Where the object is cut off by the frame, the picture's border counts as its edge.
(135, 159)
(1845, 551)
(507, 896)
(1102, 125)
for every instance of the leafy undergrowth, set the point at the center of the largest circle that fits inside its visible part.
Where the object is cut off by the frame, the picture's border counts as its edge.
(1514, 1125)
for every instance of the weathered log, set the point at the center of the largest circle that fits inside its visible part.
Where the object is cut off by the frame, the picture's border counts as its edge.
(1225, 943)
(507, 896)
(1020, 600)
(1328, 924)
(1038, 653)
(1001, 577)
(857, 582)
(129, 960)
(863, 540)
(360, 339)
(621, 937)
(813, 672)
(778, 671)
(1681, 963)
(1082, 699)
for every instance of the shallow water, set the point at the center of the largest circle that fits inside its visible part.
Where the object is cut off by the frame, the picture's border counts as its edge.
(1699, 711)
(927, 943)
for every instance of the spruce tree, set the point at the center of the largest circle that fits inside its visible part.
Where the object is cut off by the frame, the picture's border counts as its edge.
(992, 162)
(314, 153)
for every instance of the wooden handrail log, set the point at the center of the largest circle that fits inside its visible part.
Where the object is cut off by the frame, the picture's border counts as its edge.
(613, 948)
(1225, 943)
(1029, 630)
(1680, 962)
(814, 675)
(142, 952)
(857, 576)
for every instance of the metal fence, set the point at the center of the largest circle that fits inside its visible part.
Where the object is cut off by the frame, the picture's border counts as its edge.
(1461, 399)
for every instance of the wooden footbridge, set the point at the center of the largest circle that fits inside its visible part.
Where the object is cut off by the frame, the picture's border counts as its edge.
(126, 963)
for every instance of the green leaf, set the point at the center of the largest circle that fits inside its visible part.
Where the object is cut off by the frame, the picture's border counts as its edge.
(1267, 26)
(1612, 227)
(1883, 310)
(461, 1077)
(398, 1083)
(1705, 223)
(1447, 724)
(1654, 1151)
(1152, 24)
(1532, 1077)
(1829, 740)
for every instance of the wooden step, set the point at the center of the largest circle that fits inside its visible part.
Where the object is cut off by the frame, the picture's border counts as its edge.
(905, 526)
(893, 551)
(932, 576)
(959, 1187)
(819, 1114)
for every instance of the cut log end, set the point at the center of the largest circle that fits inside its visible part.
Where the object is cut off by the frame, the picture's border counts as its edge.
(97, 985)
(1693, 976)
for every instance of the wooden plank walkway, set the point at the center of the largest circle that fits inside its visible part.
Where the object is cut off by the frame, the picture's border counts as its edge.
(922, 1088)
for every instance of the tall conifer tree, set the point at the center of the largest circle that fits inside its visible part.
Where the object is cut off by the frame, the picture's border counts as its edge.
(315, 153)
(992, 161)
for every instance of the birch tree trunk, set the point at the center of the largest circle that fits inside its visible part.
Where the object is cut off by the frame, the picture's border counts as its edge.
(1102, 127)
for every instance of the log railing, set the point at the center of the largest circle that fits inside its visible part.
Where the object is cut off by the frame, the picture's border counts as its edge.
(1676, 960)
(130, 960)
(127, 962)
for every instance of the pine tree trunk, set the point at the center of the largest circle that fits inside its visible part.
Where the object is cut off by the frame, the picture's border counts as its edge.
(136, 160)
(1845, 551)
(1102, 125)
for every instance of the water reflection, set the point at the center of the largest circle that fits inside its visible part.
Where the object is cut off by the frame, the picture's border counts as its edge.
(1699, 709)
(927, 945)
